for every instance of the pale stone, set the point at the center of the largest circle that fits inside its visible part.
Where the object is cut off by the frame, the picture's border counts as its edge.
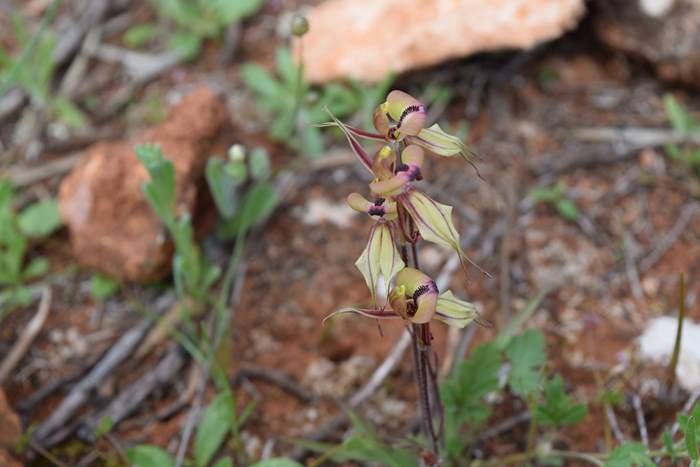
(366, 39)
(657, 342)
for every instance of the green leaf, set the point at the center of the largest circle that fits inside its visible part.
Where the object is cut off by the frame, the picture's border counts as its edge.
(259, 163)
(188, 43)
(262, 83)
(36, 268)
(138, 35)
(567, 209)
(277, 462)
(67, 112)
(223, 187)
(557, 409)
(681, 120)
(475, 377)
(257, 203)
(691, 442)
(102, 286)
(526, 354)
(224, 462)
(104, 426)
(213, 428)
(286, 67)
(147, 455)
(229, 11)
(668, 445)
(362, 448)
(160, 190)
(623, 455)
(312, 142)
(40, 219)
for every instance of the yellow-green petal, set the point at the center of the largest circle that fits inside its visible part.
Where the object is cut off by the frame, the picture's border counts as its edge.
(379, 258)
(454, 311)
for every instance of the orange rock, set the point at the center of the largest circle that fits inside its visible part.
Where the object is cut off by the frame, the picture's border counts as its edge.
(366, 39)
(10, 428)
(8, 461)
(112, 227)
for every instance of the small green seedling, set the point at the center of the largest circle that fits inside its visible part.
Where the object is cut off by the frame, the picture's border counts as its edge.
(296, 107)
(685, 124)
(555, 196)
(102, 287)
(33, 69)
(192, 22)
(37, 221)
(193, 275)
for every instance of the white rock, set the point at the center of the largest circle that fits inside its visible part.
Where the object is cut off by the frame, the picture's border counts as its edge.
(656, 345)
(366, 39)
(656, 8)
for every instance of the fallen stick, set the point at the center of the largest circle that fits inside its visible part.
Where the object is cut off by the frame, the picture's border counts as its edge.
(687, 214)
(26, 176)
(28, 335)
(131, 398)
(636, 137)
(276, 377)
(119, 352)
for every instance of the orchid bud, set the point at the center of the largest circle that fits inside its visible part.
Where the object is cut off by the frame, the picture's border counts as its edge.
(453, 311)
(408, 113)
(300, 25)
(419, 294)
(380, 258)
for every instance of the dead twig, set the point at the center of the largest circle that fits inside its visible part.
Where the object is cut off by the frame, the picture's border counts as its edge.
(635, 137)
(506, 425)
(119, 352)
(641, 422)
(631, 251)
(22, 176)
(132, 397)
(614, 425)
(28, 335)
(687, 214)
(278, 378)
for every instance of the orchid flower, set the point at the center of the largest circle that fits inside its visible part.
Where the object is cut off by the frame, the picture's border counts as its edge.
(416, 298)
(402, 118)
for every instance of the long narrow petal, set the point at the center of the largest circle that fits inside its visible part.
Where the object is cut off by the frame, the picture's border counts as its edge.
(359, 132)
(369, 313)
(354, 144)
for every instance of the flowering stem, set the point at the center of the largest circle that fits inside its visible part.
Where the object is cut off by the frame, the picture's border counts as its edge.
(425, 375)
